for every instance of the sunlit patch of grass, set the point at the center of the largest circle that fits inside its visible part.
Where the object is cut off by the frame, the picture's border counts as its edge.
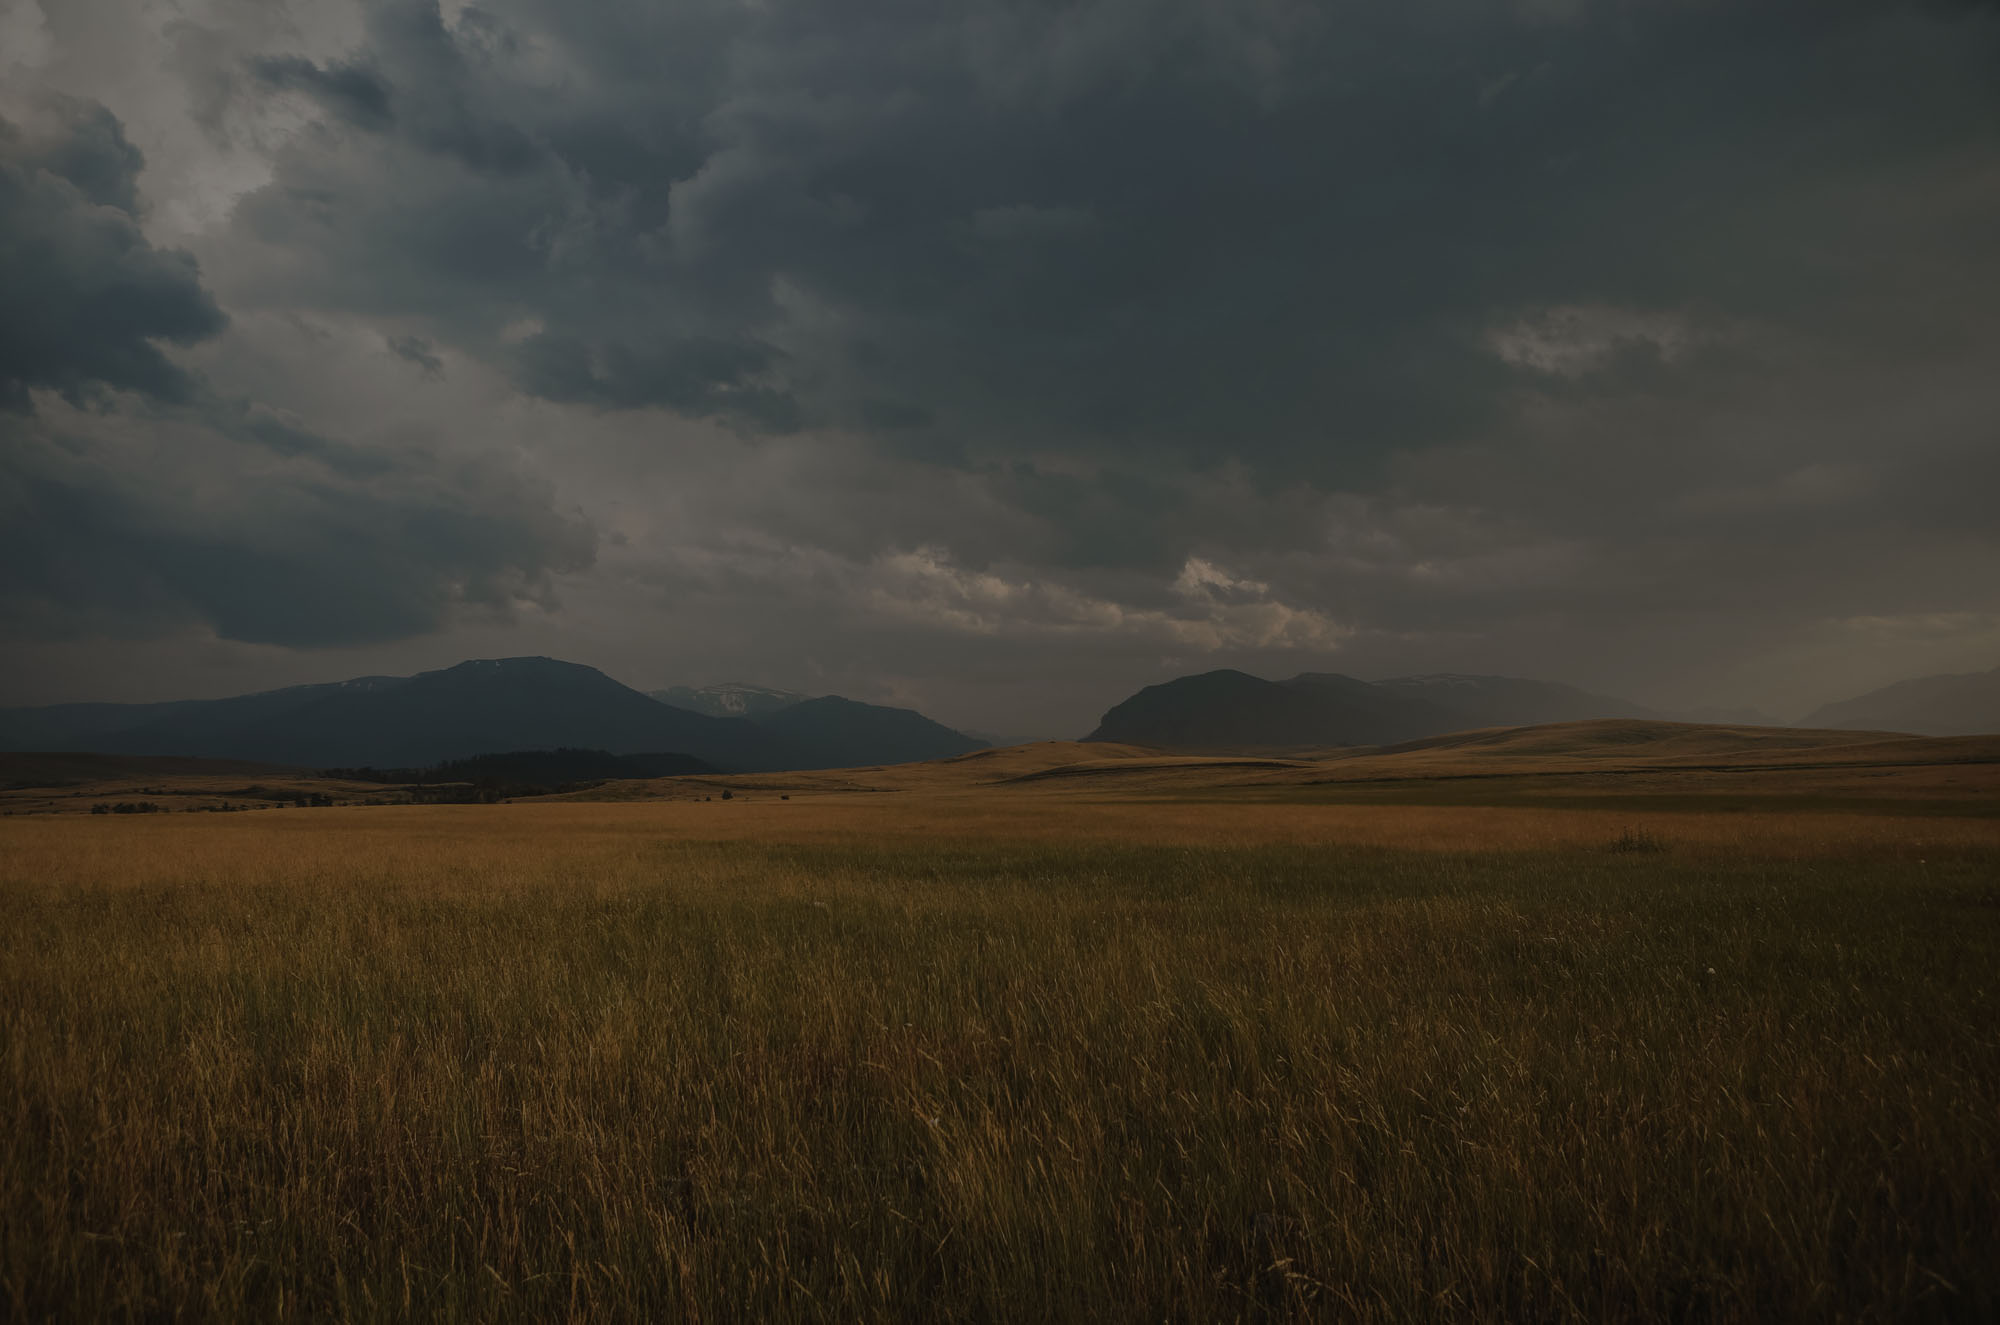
(508, 1063)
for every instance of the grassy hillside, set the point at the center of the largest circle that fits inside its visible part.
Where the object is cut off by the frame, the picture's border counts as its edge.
(1595, 761)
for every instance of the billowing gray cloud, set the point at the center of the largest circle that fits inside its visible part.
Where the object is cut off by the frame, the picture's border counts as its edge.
(1285, 233)
(419, 351)
(348, 92)
(84, 296)
(145, 521)
(137, 500)
(1028, 351)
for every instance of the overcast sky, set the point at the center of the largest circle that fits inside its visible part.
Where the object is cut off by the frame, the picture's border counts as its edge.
(1000, 358)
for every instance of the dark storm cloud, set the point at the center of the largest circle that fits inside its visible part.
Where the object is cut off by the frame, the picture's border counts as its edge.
(83, 294)
(1587, 339)
(419, 351)
(249, 525)
(349, 92)
(694, 375)
(148, 502)
(1278, 232)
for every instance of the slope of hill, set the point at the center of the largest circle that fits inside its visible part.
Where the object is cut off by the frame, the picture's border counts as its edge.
(729, 699)
(1631, 741)
(831, 732)
(1964, 704)
(1229, 709)
(1681, 765)
(1340, 710)
(827, 732)
(1213, 708)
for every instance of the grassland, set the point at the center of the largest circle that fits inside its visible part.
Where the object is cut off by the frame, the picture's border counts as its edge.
(1203, 1050)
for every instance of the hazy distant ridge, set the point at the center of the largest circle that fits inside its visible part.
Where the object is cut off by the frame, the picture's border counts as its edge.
(1964, 704)
(479, 708)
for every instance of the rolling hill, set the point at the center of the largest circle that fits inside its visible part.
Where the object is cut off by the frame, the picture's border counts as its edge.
(1230, 709)
(1597, 761)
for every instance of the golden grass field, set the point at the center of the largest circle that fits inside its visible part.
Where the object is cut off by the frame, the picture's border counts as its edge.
(1578, 1033)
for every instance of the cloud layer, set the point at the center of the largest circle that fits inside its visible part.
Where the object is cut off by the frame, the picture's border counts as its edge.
(1641, 345)
(85, 298)
(135, 500)
(1281, 233)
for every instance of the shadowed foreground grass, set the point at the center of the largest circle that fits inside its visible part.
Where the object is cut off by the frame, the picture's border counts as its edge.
(252, 1073)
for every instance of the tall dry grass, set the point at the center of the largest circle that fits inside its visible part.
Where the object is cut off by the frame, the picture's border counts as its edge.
(506, 1063)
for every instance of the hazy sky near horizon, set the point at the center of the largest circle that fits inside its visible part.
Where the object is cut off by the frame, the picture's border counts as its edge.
(1000, 358)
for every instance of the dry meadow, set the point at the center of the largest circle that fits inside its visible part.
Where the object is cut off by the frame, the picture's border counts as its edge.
(1038, 1053)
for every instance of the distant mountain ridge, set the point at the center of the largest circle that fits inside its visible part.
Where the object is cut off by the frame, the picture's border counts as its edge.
(1225, 709)
(728, 699)
(829, 731)
(832, 732)
(1956, 704)
(475, 708)
(490, 706)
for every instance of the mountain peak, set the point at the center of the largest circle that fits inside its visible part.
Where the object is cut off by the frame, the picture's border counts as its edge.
(728, 699)
(526, 665)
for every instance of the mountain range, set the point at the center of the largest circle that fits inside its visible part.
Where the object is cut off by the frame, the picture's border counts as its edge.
(523, 704)
(481, 707)
(1230, 709)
